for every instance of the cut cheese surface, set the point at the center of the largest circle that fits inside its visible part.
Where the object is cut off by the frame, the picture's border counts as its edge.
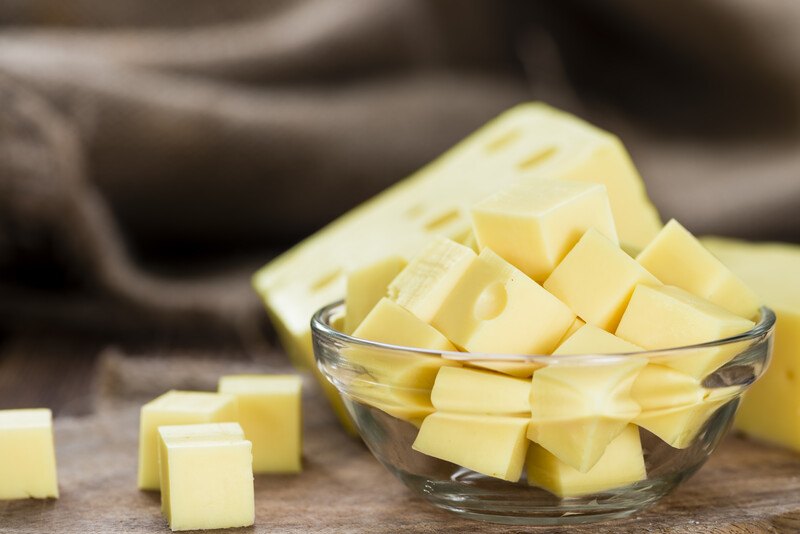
(405, 404)
(657, 387)
(677, 258)
(532, 225)
(366, 286)
(592, 340)
(27, 455)
(528, 142)
(462, 390)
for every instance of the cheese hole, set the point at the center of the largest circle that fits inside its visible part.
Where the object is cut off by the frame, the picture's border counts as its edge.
(537, 158)
(442, 220)
(491, 302)
(326, 280)
(790, 376)
(415, 211)
(503, 140)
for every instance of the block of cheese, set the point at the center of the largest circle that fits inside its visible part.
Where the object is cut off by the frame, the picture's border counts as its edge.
(206, 476)
(492, 445)
(667, 316)
(366, 286)
(577, 410)
(462, 390)
(592, 340)
(532, 225)
(496, 308)
(270, 415)
(402, 403)
(677, 258)
(27, 455)
(528, 142)
(390, 323)
(596, 279)
(770, 410)
(176, 408)
(679, 425)
(427, 280)
(658, 387)
(621, 464)
(518, 369)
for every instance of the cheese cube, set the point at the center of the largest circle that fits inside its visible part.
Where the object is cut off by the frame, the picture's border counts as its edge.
(659, 387)
(677, 258)
(469, 391)
(176, 408)
(770, 410)
(577, 409)
(517, 369)
(402, 403)
(533, 225)
(495, 307)
(427, 280)
(492, 445)
(206, 476)
(366, 286)
(269, 413)
(667, 317)
(27, 455)
(622, 463)
(679, 425)
(596, 279)
(390, 323)
(592, 340)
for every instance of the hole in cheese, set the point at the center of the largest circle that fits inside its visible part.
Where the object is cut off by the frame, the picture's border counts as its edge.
(326, 280)
(442, 220)
(491, 302)
(415, 211)
(503, 140)
(537, 158)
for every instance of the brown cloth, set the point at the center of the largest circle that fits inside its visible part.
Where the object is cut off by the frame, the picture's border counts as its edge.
(343, 488)
(152, 154)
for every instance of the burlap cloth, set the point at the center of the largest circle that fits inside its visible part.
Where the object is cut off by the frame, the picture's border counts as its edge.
(343, 488)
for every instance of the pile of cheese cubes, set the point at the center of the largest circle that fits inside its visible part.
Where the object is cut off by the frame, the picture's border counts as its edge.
(542, 273)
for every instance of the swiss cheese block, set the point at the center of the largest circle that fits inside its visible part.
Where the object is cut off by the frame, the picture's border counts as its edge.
(622, 463)
(596, 279)
(578, 408)
(589, 339)
(366, 286)
(206, 476)
(533, 225)
(770, 410)
(492, 445)
(677, 258)
(496, 308)
(528, 142)
(667, 317)
(464, 390)
(427, 280)
(27, 455)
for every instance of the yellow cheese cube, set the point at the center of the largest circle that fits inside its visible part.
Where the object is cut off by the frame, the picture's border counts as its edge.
(770, 410)
(596, 279)
(533, 225)
(678, 426)
(403, 403)
(480, 392)
(366, 286)
(622, 463)
(390, 323)
(206, 476)
(27, 455)
(592, 340)
(659, 387)
(492, 445)
(667, 317)
(677, 258)
(427, 280)
(517, 369)
(578, 408)
(495, 307)
(176, 408)
(269, 413)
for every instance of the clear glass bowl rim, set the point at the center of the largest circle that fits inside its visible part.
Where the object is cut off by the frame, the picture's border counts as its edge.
(320, 325)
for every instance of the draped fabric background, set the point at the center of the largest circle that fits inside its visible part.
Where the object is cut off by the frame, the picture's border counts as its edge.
(153, 154)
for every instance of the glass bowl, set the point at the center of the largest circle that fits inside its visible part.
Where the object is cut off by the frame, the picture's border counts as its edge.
(389, 408)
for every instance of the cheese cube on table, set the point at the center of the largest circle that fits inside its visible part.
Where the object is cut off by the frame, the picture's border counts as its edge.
(621, 464)
(496, 308)
(677, 258)
(596, 279)
(668, 317)
(770, 410)
(463, 390)
(270, 414)
(366, 286)
(206, 476)
(533, 225)
(430, 276)
(492, 445)
(27, 455)
(577, 410)
(176, 408)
